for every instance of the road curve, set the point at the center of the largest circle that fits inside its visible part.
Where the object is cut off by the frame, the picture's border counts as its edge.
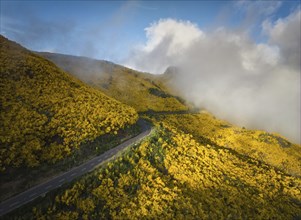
(41, 189)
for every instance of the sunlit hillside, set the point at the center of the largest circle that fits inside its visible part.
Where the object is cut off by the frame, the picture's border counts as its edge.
(268, 148)
(46, 113)
(191, 166)
(150, 110)
(139, 90)
(172, 175)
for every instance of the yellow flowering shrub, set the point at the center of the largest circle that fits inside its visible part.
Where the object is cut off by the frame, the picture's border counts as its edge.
(269, 148)
(173, 176)
(45, 113)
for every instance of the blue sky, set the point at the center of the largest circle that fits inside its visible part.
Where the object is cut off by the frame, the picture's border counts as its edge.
(110, 29)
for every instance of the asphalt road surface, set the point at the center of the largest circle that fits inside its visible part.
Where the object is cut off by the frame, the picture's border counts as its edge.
(40, 190)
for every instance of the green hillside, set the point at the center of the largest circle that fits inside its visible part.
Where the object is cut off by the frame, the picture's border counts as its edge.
(173, 175)
(270, 148)
(191, 166)
(46, 113)
(139, 90)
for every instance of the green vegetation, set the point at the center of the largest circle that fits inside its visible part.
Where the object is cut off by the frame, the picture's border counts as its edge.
(172, 176)
(192, 166)
(139, 90)
(260, 145)
(17, 180)
(45, 113)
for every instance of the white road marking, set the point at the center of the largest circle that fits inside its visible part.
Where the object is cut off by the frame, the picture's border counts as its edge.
(13, 204)
(48, 187)
(32, 195)
(31, 199)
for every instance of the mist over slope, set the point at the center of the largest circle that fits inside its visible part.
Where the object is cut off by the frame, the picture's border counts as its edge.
(252, 84)
(46, 114)
(139, 90)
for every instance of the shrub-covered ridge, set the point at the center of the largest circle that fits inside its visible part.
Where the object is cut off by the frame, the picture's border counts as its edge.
(46, 113)
(173, 176)
(140, 90)
(269, 148)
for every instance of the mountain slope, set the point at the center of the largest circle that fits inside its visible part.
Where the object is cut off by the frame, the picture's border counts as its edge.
(46, 113)
(139, 90)
(269, 148)
(171, 175)
(192, 166)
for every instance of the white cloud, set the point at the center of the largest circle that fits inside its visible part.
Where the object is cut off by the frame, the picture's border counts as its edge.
(168, 37)
(258, 8)
(260, 53)
(182, 34)
(247, 83)
(285, 33)
(251, 13)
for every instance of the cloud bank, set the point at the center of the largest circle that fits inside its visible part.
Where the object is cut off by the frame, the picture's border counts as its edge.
(251, 84)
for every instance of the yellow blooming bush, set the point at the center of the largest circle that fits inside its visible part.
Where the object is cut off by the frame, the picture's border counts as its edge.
(45, 113)
(142, 91)
(173, 176)
(269, 148)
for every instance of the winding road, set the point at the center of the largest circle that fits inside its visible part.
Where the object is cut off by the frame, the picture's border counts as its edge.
(40, 190)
